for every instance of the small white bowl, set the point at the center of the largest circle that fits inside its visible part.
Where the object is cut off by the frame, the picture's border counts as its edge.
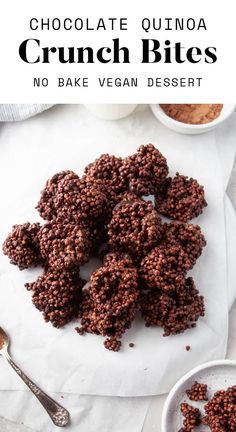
(111, 111)
(191, 129)
(218, 375)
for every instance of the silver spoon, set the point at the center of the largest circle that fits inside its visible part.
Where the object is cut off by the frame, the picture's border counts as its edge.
(57, 413)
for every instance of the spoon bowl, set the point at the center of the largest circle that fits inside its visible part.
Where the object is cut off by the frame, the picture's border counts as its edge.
(4, 340)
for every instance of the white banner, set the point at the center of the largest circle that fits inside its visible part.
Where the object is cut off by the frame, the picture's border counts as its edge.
(123, 52)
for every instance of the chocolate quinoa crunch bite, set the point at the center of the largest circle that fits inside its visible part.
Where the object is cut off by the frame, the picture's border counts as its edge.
(46, 204)
(135, 228)
(78, 201)
(188, 236)
(155, 307)
(107, 168)
(192, 417)
(221, 411)
(114, 286)
(180, 198)
(106, 171)
(21, 246)
(174, 312)
(164, 267)
(146, 170)
(96, 318)
(58, 294)
(145, 261)
(198, 392)
(111, 302)
(64, 246)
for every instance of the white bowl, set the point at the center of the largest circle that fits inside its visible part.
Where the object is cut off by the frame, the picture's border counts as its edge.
(191, 129)
(111, 111)
(218, 375)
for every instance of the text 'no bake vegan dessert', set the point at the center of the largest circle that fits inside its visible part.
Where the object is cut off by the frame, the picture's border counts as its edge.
(146, 261)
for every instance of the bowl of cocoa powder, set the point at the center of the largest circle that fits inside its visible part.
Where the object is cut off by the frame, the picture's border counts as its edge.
(192, 118)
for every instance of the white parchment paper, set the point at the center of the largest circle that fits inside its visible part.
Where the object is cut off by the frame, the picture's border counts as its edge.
(69, 138)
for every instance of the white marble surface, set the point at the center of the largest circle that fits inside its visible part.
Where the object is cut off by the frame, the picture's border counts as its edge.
(152, 421)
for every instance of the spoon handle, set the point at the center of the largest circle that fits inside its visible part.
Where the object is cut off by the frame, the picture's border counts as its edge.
(57, 413)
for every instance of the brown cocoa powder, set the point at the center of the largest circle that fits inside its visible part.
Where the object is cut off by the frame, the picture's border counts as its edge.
(193, 113)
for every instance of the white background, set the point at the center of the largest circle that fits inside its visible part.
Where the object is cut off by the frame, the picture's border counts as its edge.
(16, 77)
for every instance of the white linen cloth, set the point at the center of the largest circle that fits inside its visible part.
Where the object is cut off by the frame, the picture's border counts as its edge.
(18, 112)
(138, 117)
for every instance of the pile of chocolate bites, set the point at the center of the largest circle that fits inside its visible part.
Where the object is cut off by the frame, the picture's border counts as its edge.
(219, 411)
(145, 260)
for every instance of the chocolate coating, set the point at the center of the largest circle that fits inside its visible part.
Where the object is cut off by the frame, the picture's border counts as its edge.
(175, 312)
(180, 198)
(111, 302)
(115, 286)
(21, 246)
(106, 172)
(164, 267)
(192, 417)
(46, 205)
(146, 170)
(188, 236)
(135, 228)
(198, 392)
(221, 411)
(64, 246)
(77, 201)
(57, 294)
